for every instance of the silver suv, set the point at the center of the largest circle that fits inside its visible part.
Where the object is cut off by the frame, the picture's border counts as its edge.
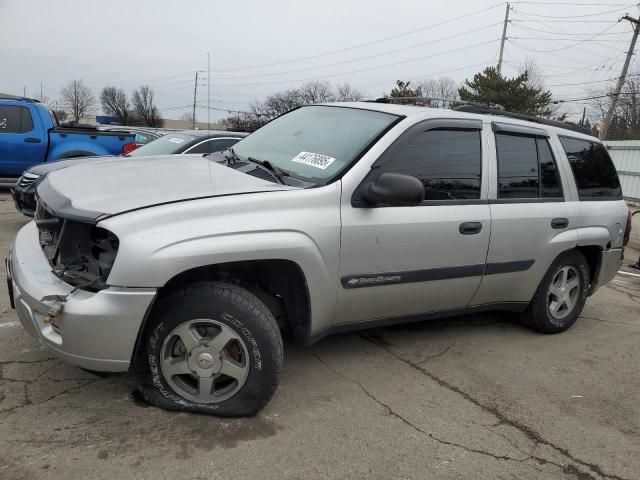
(330, 218)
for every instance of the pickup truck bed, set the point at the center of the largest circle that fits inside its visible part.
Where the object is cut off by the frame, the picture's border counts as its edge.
(30, 134)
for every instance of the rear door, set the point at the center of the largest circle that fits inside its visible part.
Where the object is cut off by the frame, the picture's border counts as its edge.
(397, 261)
(532, 222)
(22, 139)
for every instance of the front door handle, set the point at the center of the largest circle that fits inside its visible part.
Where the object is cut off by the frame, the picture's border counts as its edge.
(32, 140)
(470, 228)
(559, 223)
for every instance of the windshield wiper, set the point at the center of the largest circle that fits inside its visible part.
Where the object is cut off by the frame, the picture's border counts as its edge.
(229, 155)
(277, 173)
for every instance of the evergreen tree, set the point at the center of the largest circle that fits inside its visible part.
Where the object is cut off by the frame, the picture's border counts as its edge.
(511, 94)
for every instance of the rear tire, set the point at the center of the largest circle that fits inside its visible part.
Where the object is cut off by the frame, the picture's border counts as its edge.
(561, 295)
(212, 348)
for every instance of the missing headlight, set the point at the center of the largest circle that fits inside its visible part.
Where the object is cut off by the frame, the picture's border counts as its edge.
(80, 253)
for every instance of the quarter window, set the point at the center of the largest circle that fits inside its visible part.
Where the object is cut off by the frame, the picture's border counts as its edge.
(593, 170)
(526, 168)
(446, 161)
(15, 119)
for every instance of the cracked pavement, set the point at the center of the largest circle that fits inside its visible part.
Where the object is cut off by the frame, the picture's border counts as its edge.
(468, 397)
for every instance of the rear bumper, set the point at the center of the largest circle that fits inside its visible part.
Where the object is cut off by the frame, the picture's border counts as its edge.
(96, 331)
(611, 262)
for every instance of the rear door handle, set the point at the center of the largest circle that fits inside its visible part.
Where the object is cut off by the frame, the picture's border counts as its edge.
(559, 223)
(32, 140)
(470, 228)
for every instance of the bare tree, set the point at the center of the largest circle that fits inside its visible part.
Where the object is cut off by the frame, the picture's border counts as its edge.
(317, 91)
(41, 98)
(187, 117)
(625, 124)
(115, 103)
(346, 93)
(60, 114)
(77, 99)
(443, 87)
(144, 107)
(282, 102)
(535, 76)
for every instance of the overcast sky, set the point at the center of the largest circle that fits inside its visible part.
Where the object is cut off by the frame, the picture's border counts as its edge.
(259, 47)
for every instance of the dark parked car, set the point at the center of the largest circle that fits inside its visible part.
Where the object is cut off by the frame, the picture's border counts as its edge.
(197, 142)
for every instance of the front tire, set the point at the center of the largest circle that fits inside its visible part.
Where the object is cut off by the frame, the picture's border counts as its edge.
(212, 348)
(561, 295)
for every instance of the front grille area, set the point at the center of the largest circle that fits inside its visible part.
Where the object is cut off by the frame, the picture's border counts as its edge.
(79, 253)
(26, 180)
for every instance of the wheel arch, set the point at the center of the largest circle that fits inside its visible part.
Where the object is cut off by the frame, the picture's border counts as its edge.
(279, 283)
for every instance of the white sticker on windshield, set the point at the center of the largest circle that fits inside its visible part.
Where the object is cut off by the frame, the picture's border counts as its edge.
(176, 140)
(314, 160)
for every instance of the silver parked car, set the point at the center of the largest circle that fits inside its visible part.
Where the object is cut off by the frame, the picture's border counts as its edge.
(330, 218)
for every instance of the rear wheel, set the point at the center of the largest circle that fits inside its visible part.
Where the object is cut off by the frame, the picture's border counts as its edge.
(212, 348)
(561, 295)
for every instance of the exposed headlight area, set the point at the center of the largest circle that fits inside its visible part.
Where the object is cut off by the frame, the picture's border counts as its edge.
(80, 253)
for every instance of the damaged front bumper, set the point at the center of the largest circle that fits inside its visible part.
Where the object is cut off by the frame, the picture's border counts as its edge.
(94, 330)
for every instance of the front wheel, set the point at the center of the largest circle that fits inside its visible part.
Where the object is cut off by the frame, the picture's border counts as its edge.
(561, 295)
(213, 348)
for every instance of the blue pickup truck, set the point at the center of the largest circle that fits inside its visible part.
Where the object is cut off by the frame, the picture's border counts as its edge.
(31, 134)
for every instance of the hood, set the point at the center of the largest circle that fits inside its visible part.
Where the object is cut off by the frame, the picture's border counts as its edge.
(91, 191)
(44, 168)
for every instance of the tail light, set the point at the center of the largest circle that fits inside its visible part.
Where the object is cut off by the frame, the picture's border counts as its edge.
(129, 147)
(627, 230)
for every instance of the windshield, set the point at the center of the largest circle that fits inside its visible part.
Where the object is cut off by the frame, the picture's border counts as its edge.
(315, 143)
(166, 145)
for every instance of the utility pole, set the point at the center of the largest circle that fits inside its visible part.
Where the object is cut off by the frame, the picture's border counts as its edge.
(41, 92)
(622, 78)
(195, 92)
(504, 37)
(208, 93)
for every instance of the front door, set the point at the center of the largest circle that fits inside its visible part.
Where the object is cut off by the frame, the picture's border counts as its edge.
(401, 261)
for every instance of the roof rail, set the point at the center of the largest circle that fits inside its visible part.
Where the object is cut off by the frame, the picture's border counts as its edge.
(8, 96)
(483, 109)
(426, 99)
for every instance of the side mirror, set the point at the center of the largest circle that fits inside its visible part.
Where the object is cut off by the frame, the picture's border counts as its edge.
(394, 189)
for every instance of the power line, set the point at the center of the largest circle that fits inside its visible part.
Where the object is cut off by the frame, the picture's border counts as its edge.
(588, 83)
(561, 39)
(575, 44)
(555, 32)
(593, 97)
(576, 16)
(489, 62)
(366, 44)
(345, 62)
(599, 4)
(361, 70)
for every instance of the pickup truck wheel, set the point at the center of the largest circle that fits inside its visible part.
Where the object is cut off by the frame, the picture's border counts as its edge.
(561, 295)
(212, 348)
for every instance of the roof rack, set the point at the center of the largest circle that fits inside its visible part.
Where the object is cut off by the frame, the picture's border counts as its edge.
(483, 109)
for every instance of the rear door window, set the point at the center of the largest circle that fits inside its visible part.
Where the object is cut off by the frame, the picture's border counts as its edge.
(526, 168)
(593, 169)
(15, 119)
